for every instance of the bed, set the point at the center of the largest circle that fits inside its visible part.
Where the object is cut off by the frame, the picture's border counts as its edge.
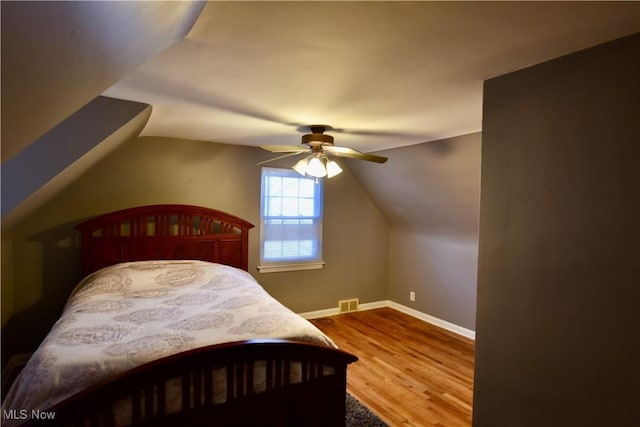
(168, 327)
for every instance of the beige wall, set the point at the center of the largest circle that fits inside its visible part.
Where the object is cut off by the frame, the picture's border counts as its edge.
(559, 259)
(44, 253)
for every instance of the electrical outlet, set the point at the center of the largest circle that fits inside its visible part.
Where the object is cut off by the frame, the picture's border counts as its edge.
(412, 296)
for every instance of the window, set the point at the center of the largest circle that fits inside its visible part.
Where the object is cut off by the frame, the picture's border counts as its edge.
(291, 221)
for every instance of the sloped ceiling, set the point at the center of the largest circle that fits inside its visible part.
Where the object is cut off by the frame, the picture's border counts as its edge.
(45, 167)
(384, 74)
(431, 189)
(57, 56)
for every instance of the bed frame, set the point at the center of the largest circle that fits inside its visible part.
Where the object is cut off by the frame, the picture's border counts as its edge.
(164, 232)
(192, 232)
(317, 401)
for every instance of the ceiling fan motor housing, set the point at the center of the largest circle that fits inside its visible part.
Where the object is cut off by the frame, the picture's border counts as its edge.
(320, 146)
(317, 137)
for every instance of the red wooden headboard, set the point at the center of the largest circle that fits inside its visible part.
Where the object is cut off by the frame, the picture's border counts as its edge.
(164, 232)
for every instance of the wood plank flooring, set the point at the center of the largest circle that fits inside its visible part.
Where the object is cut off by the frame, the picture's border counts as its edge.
(409, 372)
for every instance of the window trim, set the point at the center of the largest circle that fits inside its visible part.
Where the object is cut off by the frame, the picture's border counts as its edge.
(290, 264)
(279, 268)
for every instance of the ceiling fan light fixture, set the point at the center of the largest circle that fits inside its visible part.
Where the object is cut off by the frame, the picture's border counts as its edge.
(301, 166)
(333, 169)
(316, 167)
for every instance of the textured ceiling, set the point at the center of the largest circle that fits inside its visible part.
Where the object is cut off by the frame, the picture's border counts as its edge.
(383, 74)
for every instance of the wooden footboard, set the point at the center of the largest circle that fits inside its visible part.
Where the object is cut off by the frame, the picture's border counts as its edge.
(299, 384)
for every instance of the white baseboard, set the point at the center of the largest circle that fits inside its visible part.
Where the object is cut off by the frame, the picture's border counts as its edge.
(452, 327)
(320, 313)
(334, 311)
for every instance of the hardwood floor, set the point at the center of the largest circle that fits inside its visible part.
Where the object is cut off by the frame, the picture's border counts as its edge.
(409, 372)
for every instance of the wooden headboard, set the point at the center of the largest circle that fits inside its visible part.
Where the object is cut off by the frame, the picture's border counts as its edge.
(164, 232)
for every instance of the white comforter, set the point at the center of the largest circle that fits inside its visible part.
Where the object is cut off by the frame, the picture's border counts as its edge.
(128, 314)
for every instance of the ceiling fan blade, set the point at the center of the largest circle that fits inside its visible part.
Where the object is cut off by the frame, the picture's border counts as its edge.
(280, 157)
(354, 154)
(284, 148)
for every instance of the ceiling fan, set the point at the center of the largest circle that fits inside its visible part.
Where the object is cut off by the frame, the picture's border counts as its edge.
(319, 146)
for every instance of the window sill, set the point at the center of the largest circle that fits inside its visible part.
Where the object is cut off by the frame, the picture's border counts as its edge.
(278, 268)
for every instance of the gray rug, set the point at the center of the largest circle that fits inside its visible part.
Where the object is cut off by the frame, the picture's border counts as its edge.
(358, 415)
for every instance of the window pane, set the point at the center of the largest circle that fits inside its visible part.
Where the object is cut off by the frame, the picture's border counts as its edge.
(272, 250)
(307, 188)
(274, 206)
(306, 207)
(275, 186)
(291, 217)
(290, 187)
(306, 247)
(290, 206)
(290, 249)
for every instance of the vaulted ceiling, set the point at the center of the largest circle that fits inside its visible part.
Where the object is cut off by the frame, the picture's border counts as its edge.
(382, 74)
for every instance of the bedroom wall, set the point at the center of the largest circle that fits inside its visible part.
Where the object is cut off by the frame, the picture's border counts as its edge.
(430, 193)
(441, 272)
(559, 260)
(46, 257)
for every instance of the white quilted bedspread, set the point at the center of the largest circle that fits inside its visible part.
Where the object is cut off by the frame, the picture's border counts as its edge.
(128, 314)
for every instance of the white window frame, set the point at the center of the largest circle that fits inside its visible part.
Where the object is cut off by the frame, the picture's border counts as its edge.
(303, 221)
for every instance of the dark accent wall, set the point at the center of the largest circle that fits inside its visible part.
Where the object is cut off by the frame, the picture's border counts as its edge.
(558, 315)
